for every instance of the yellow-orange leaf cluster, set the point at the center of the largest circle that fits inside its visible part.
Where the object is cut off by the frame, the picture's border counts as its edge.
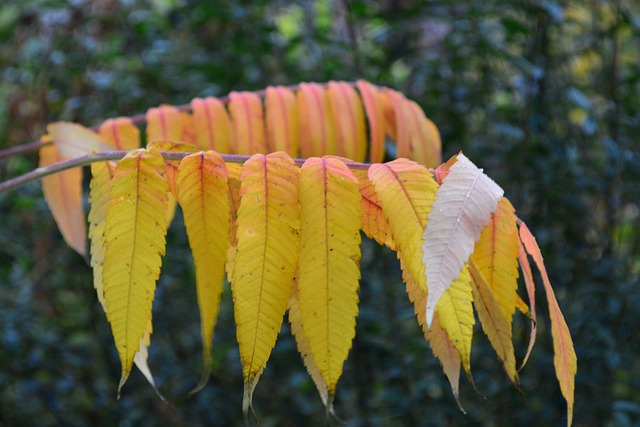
(287, 233)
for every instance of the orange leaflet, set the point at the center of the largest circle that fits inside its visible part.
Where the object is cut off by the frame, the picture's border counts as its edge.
(63, 193)
(374, 224)
(283, 127)
(316, 121)
(348, 117)
(248, 123)
(531, 291)
(425, 144)
(165, 123)
(388, 114)
(212, 125)
(565, 359)
(404, 124)
(121, 133)
(372, 106)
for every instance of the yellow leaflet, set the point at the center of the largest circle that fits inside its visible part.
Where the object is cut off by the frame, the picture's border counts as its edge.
(203, 194)
(164, 123)
(211, 124)
(295, 319)
(374, 224)
(264, 265)
(63, 193)
(316, 120)
(495, 324)
(283, 124)
(496, 255)
(373, 108)
(248, 123)
(406, 192)
(565, 360)
(328, 266)
(441, 346)
(455, 313)
(120, 133)
(348, 116)
(134, 239)
(100, 189)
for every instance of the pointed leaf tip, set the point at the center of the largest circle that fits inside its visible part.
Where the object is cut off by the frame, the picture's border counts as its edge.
(464, 203)
(564, 360)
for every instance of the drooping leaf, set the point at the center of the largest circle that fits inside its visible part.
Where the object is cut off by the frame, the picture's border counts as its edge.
(101, 175)
(121, 133)
(74, 140)
(316, 121)
(564, 360)
(374, 224)
(283, 123)
(464, 203)
(265, 263)
(371, 101)
(328, 269)
(348, 116)
(248, 123)
(134, 237)
(203, 194)
(531, 292)
(63, 193)
(496, 255)
(165, 123)
(495, 323)
(211, 124)
(406, 192)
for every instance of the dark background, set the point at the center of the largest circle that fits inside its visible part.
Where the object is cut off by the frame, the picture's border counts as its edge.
(545, 95)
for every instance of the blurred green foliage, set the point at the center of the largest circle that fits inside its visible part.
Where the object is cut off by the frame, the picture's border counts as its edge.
(545, 95)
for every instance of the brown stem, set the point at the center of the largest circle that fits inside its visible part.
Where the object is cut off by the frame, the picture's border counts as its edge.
(41, 172)
(22, 149)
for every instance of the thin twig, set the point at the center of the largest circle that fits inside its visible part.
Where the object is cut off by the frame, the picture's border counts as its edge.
(22, 149)
(41, 172)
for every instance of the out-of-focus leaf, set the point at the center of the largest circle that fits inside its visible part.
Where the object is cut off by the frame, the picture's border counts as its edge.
(63, 193)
